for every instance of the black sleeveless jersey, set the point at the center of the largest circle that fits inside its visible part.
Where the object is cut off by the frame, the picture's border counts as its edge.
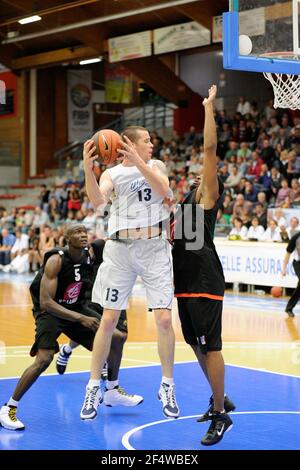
(75, 280)
(198, 271)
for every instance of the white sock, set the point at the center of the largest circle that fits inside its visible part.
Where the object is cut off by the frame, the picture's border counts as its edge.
(12, 402)
(93, 383)
(110, 384)
(166, 380)
(67, 348)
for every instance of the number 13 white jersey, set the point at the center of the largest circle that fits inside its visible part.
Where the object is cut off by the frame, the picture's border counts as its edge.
(134, 203)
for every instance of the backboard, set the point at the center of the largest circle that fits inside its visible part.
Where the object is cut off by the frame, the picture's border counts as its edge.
(272, 26)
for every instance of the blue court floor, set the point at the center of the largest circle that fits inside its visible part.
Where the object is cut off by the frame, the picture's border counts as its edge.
(267, 416)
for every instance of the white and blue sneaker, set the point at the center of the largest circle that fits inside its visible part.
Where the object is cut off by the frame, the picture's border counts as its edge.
(166, 395)
(92, 400)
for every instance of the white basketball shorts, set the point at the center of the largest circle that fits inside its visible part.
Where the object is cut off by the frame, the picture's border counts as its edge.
(123, 261)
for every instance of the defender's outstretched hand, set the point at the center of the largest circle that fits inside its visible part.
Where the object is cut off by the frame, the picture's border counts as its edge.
(212, 92)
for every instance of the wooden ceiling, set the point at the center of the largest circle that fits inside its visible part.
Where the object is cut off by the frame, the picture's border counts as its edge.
(65, 33)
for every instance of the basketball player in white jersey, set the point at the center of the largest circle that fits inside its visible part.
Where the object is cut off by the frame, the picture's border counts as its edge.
(137, 188)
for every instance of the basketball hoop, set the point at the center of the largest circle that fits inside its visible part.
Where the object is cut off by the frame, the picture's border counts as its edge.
(286, 87)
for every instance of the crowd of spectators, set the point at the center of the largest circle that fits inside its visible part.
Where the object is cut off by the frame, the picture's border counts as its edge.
(258, 162)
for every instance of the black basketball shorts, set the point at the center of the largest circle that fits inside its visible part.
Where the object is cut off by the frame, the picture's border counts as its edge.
(201, 322)
(48, 328)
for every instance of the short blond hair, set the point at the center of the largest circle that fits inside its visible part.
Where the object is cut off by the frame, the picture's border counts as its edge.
(132, 132)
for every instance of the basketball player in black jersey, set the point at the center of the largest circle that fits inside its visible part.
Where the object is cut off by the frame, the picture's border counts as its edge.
(293, 246)
(199, 280)
(61, 294)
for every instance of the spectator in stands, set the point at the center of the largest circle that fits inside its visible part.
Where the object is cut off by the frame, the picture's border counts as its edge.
(174, 149)
(276, 179)
(261, 214)
(21, 244)
(283, 163)
(239, 231)
(252, 133)
(240, 189)
(264, 181)
(244, 151)
(8, 240)
(53, 210)
(242, 209)
(234, 178)
(74, 201)
(287, 203)
(268, 111)
(157, 147)
(267, 153)
(233, 150)
(69, 168)
(242, 133)
(194, 163)
(19, 254)
(223, 172)
(192, 138)
(223, 139)
(227, 207)
(9, 220)
(283, 192)
(285, 125)
(242, 165)
(256, 230)
(262, 198)
(295, 190)
(44, 197)
(63, 201)
(274, 127)
(46, 240)
(278, 216)
(89, 221)
(295, 139)
(222, 224)
(255, 165)
(254, 112)
(284, 138)
(243, 106)
(272, 234)
(40, 219)
(292, 229)
(250, 193)
(293, 168)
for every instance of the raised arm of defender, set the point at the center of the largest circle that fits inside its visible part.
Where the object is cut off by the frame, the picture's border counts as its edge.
(208, 191)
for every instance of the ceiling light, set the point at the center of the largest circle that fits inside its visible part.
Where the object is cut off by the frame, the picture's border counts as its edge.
(30, 19)
(90, 61)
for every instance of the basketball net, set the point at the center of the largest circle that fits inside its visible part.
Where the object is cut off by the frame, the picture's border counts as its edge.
(286, 87)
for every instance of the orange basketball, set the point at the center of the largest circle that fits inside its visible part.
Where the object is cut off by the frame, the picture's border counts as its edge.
(276, 291)
(107, 142)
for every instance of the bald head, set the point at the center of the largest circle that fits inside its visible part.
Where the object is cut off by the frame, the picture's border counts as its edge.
(73, 227)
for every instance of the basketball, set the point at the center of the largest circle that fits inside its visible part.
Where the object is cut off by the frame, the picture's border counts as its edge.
(107, 142)
(276, 291)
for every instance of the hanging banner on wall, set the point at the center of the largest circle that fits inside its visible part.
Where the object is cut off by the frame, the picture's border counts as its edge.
(80, 110)
(118, 84)
(8, 94)
(180, 36)
(131, 46)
